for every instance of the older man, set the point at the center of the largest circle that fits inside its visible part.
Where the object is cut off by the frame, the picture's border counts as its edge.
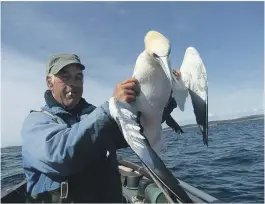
(69, 146)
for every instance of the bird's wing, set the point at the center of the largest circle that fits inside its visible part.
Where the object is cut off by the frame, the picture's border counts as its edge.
(126, 117)
(194, 76)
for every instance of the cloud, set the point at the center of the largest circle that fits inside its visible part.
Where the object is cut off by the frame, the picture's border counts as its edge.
(33, 31)
(22, 89)
(23, 65)
(225, 103)
(23, 86)
(44, 35)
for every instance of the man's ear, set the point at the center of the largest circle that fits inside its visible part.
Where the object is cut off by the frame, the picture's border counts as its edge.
(49, 82)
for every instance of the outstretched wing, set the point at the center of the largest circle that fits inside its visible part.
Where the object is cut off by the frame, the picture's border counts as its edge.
(126, 118)
(194, 77)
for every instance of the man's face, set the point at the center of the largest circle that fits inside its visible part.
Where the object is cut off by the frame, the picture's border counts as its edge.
(67, 86)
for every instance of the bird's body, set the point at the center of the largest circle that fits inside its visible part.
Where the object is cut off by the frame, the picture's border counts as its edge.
(155, 91)
(157, 82)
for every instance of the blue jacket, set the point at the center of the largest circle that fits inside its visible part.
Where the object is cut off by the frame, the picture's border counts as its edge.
(82, 147)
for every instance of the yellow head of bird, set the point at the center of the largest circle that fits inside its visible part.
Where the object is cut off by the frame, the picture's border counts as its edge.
(156, 44)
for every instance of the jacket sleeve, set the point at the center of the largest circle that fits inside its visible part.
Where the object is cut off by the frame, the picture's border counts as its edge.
(54, 148)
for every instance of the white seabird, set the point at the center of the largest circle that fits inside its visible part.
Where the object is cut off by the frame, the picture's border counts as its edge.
(155, 88)
(154, 74)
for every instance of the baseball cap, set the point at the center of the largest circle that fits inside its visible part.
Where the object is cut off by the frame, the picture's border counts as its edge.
(59, 61)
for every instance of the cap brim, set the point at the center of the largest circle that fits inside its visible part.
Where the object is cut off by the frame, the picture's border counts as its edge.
(60, 66)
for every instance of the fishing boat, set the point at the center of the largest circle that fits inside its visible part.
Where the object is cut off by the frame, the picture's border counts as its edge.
(137, 184)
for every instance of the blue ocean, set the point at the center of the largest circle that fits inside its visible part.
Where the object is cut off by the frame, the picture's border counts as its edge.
(231, 168)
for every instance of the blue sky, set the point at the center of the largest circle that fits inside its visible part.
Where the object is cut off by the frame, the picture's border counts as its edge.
(108, 36)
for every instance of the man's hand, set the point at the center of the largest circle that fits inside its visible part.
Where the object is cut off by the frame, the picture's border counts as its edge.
(127, 91)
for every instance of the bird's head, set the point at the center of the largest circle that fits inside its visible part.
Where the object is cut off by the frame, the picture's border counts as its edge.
(158, 47)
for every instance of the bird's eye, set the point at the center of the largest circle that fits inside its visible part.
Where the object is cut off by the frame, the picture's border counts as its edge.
(155, 55)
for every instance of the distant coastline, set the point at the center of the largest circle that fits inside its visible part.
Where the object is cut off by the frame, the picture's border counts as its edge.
(236, 120)
(216, 122)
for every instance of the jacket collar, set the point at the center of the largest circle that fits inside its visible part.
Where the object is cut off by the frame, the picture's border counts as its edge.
(56, 108)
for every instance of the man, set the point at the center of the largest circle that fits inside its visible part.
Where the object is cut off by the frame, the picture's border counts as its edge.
(71, 143)
(69, 146)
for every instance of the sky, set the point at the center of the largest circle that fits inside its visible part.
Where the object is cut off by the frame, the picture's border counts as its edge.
(108, 37)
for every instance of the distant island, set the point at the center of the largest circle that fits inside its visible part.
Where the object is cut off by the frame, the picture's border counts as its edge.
(216, 122)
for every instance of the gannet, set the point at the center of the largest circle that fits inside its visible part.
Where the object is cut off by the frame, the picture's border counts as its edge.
(154, 74)
(157, 81)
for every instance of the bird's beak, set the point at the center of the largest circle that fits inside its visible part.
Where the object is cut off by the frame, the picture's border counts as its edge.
(165, 64)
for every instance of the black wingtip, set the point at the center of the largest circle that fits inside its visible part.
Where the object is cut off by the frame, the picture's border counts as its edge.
(204, 131)
(205, 141)
(205, 135)
(205, 126)
(181, 131)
